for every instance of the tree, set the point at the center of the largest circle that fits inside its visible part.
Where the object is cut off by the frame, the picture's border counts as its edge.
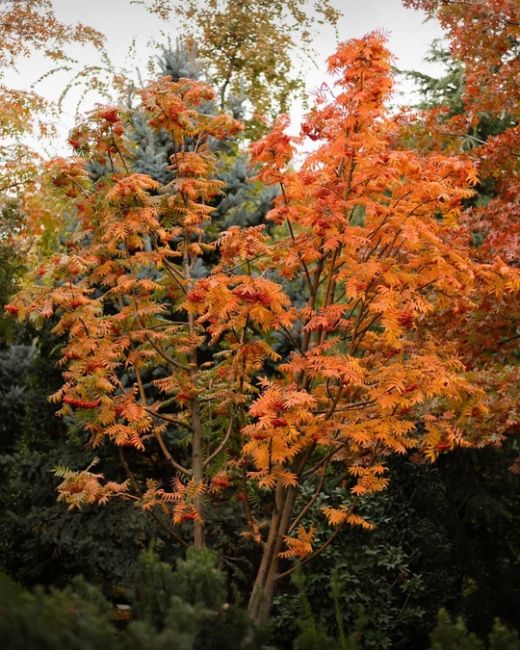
(26, 27)
(38, 534)
(480, 119)
(244, 388)
(247, 47)
(484, 36)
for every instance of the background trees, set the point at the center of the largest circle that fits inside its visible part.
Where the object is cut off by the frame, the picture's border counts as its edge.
(480, 117)
(247, 48)
(28, 27)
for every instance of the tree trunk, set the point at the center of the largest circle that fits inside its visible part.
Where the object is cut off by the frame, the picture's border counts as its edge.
(264, 588)
(198, 469)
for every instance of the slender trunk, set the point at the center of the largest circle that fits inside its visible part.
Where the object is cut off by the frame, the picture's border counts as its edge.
(261, 600)
(197, 464)
(197, 467)
(257, 593)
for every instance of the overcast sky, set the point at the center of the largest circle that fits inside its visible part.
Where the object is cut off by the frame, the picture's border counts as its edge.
(122, 22)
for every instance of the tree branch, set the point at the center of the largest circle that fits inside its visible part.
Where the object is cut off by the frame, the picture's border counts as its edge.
(224, 442)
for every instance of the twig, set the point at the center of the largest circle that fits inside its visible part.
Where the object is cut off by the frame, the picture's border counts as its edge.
(224, 442)
(309, 505)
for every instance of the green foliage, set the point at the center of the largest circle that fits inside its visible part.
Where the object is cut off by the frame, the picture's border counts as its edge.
(15, 364)
(77, 618)
(183, 609)
(198, 581)
(187, 605)
(312, 635)
(180, 62)
(382, 587)
(502, 638)
(453, 636)
(40, 540)
(151, 150)
(446, 90)
(446, 536)
(449, 635)
(154, 591)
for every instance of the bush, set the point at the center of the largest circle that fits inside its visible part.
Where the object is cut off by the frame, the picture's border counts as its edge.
(183, 609)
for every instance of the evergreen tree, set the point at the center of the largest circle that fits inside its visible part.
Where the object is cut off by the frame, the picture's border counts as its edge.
(453, 636)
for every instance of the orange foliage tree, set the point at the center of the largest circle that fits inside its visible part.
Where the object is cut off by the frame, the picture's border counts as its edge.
(485, 38)
(306, 355)
(25, 28)
(484, 35)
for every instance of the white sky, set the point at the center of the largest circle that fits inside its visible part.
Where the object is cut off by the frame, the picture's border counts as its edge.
(122, 22)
